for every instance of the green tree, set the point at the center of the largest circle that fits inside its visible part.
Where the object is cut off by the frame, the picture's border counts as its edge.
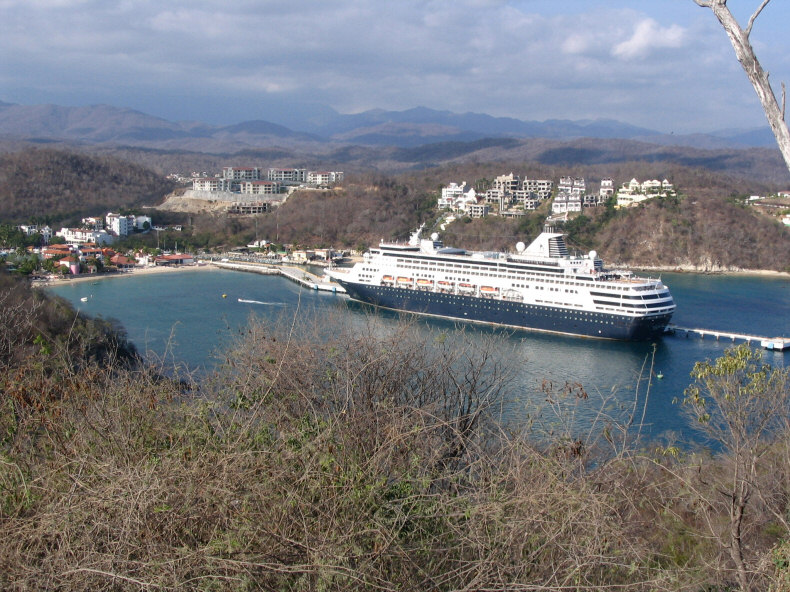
(741, 404)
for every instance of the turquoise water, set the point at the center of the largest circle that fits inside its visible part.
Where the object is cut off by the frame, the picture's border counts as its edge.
(184, 316)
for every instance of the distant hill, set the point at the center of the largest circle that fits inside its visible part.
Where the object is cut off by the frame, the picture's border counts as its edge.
(104, 124)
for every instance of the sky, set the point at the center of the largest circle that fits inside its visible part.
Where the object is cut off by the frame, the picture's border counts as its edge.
(662, 64)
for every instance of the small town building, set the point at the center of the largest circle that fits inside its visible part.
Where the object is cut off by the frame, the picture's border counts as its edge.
(174, 259)
(80, 236)
(122, 262)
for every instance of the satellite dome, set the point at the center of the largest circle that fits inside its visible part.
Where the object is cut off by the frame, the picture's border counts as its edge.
(520, 247)
(434, 236)
(593, 255)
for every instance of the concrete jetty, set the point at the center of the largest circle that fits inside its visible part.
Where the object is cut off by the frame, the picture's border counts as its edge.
(771, 343)
(296, 274)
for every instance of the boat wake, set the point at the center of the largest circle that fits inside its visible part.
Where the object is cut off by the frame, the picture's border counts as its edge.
(259, 302)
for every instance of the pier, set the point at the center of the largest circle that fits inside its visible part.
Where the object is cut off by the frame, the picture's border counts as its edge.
(771, 343)
(296, 274)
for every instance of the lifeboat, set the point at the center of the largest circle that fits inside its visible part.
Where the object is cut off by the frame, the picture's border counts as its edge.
(388, 279)
(424, 282)
(466, 287)
(404, 280)
(488, 290)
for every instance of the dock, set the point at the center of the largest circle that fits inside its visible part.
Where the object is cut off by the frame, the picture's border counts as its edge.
(295, 274)
(770, 343)
(310, 280)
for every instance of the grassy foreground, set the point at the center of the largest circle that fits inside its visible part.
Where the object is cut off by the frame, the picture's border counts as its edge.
(363, 459)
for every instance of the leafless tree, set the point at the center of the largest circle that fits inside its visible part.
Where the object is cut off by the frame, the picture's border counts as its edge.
(739, 37)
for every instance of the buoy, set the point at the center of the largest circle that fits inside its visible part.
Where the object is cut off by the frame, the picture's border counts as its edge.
(659, 375)
(224, 295)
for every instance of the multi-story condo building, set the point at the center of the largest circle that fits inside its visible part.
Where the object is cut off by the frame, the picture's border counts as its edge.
(241, 173)
(496, 196)
(323, 178)
(288, 175)
(570, 193)
(592, 200)
(456, 196)
(119, 225)
(93, 223)
(571, 185)
(607, 187)
(541, 187)
(507, 183)
(259, 187)
(81, 235)
(511, 189)
(529, 199)
(31, 229)
(635, 192)
(476, 210)
(566, 202)
(212, 184)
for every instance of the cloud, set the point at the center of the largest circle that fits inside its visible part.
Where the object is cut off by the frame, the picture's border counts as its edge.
(647, 37)
(531, 59)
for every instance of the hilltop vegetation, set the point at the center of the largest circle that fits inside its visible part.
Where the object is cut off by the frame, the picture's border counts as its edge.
(60, 186)
(706, 234)
(339, 458)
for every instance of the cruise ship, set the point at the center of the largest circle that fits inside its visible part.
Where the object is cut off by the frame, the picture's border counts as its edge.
(540, 287)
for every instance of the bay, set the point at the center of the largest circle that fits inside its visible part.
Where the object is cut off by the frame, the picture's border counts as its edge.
(189, 317)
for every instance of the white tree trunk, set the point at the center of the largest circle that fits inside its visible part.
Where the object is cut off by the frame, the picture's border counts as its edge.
(757, 76)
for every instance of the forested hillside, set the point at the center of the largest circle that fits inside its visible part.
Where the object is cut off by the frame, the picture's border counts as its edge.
(61, 186)
(706, 228)
(697, 233)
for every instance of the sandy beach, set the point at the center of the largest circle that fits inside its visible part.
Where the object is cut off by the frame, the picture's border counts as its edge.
(137, 271)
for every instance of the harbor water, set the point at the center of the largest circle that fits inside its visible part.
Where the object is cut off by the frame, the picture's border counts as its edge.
(192, 316)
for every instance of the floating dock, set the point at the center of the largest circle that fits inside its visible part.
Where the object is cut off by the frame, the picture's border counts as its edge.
(771, 343)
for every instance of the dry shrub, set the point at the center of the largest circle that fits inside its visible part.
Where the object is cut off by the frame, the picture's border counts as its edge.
(322, 458)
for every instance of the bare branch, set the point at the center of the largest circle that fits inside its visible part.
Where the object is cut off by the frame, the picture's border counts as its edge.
(744, 52)
(754, 17)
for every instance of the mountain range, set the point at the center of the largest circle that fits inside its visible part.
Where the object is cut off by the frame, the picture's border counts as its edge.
(104, 124)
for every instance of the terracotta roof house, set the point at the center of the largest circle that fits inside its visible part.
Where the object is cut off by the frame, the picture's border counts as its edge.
(175, 259)
(122, 262)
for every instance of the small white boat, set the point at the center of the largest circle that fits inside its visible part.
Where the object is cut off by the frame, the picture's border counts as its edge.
(84, 299)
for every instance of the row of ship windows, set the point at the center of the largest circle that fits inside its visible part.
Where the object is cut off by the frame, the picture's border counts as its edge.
(494, 275)
(479, 271)
(628, 305)
(410, 265)
(369, 277)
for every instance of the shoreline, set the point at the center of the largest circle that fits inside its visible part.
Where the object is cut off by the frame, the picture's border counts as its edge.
(765, 273)
(691, 270)
(95, 277)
